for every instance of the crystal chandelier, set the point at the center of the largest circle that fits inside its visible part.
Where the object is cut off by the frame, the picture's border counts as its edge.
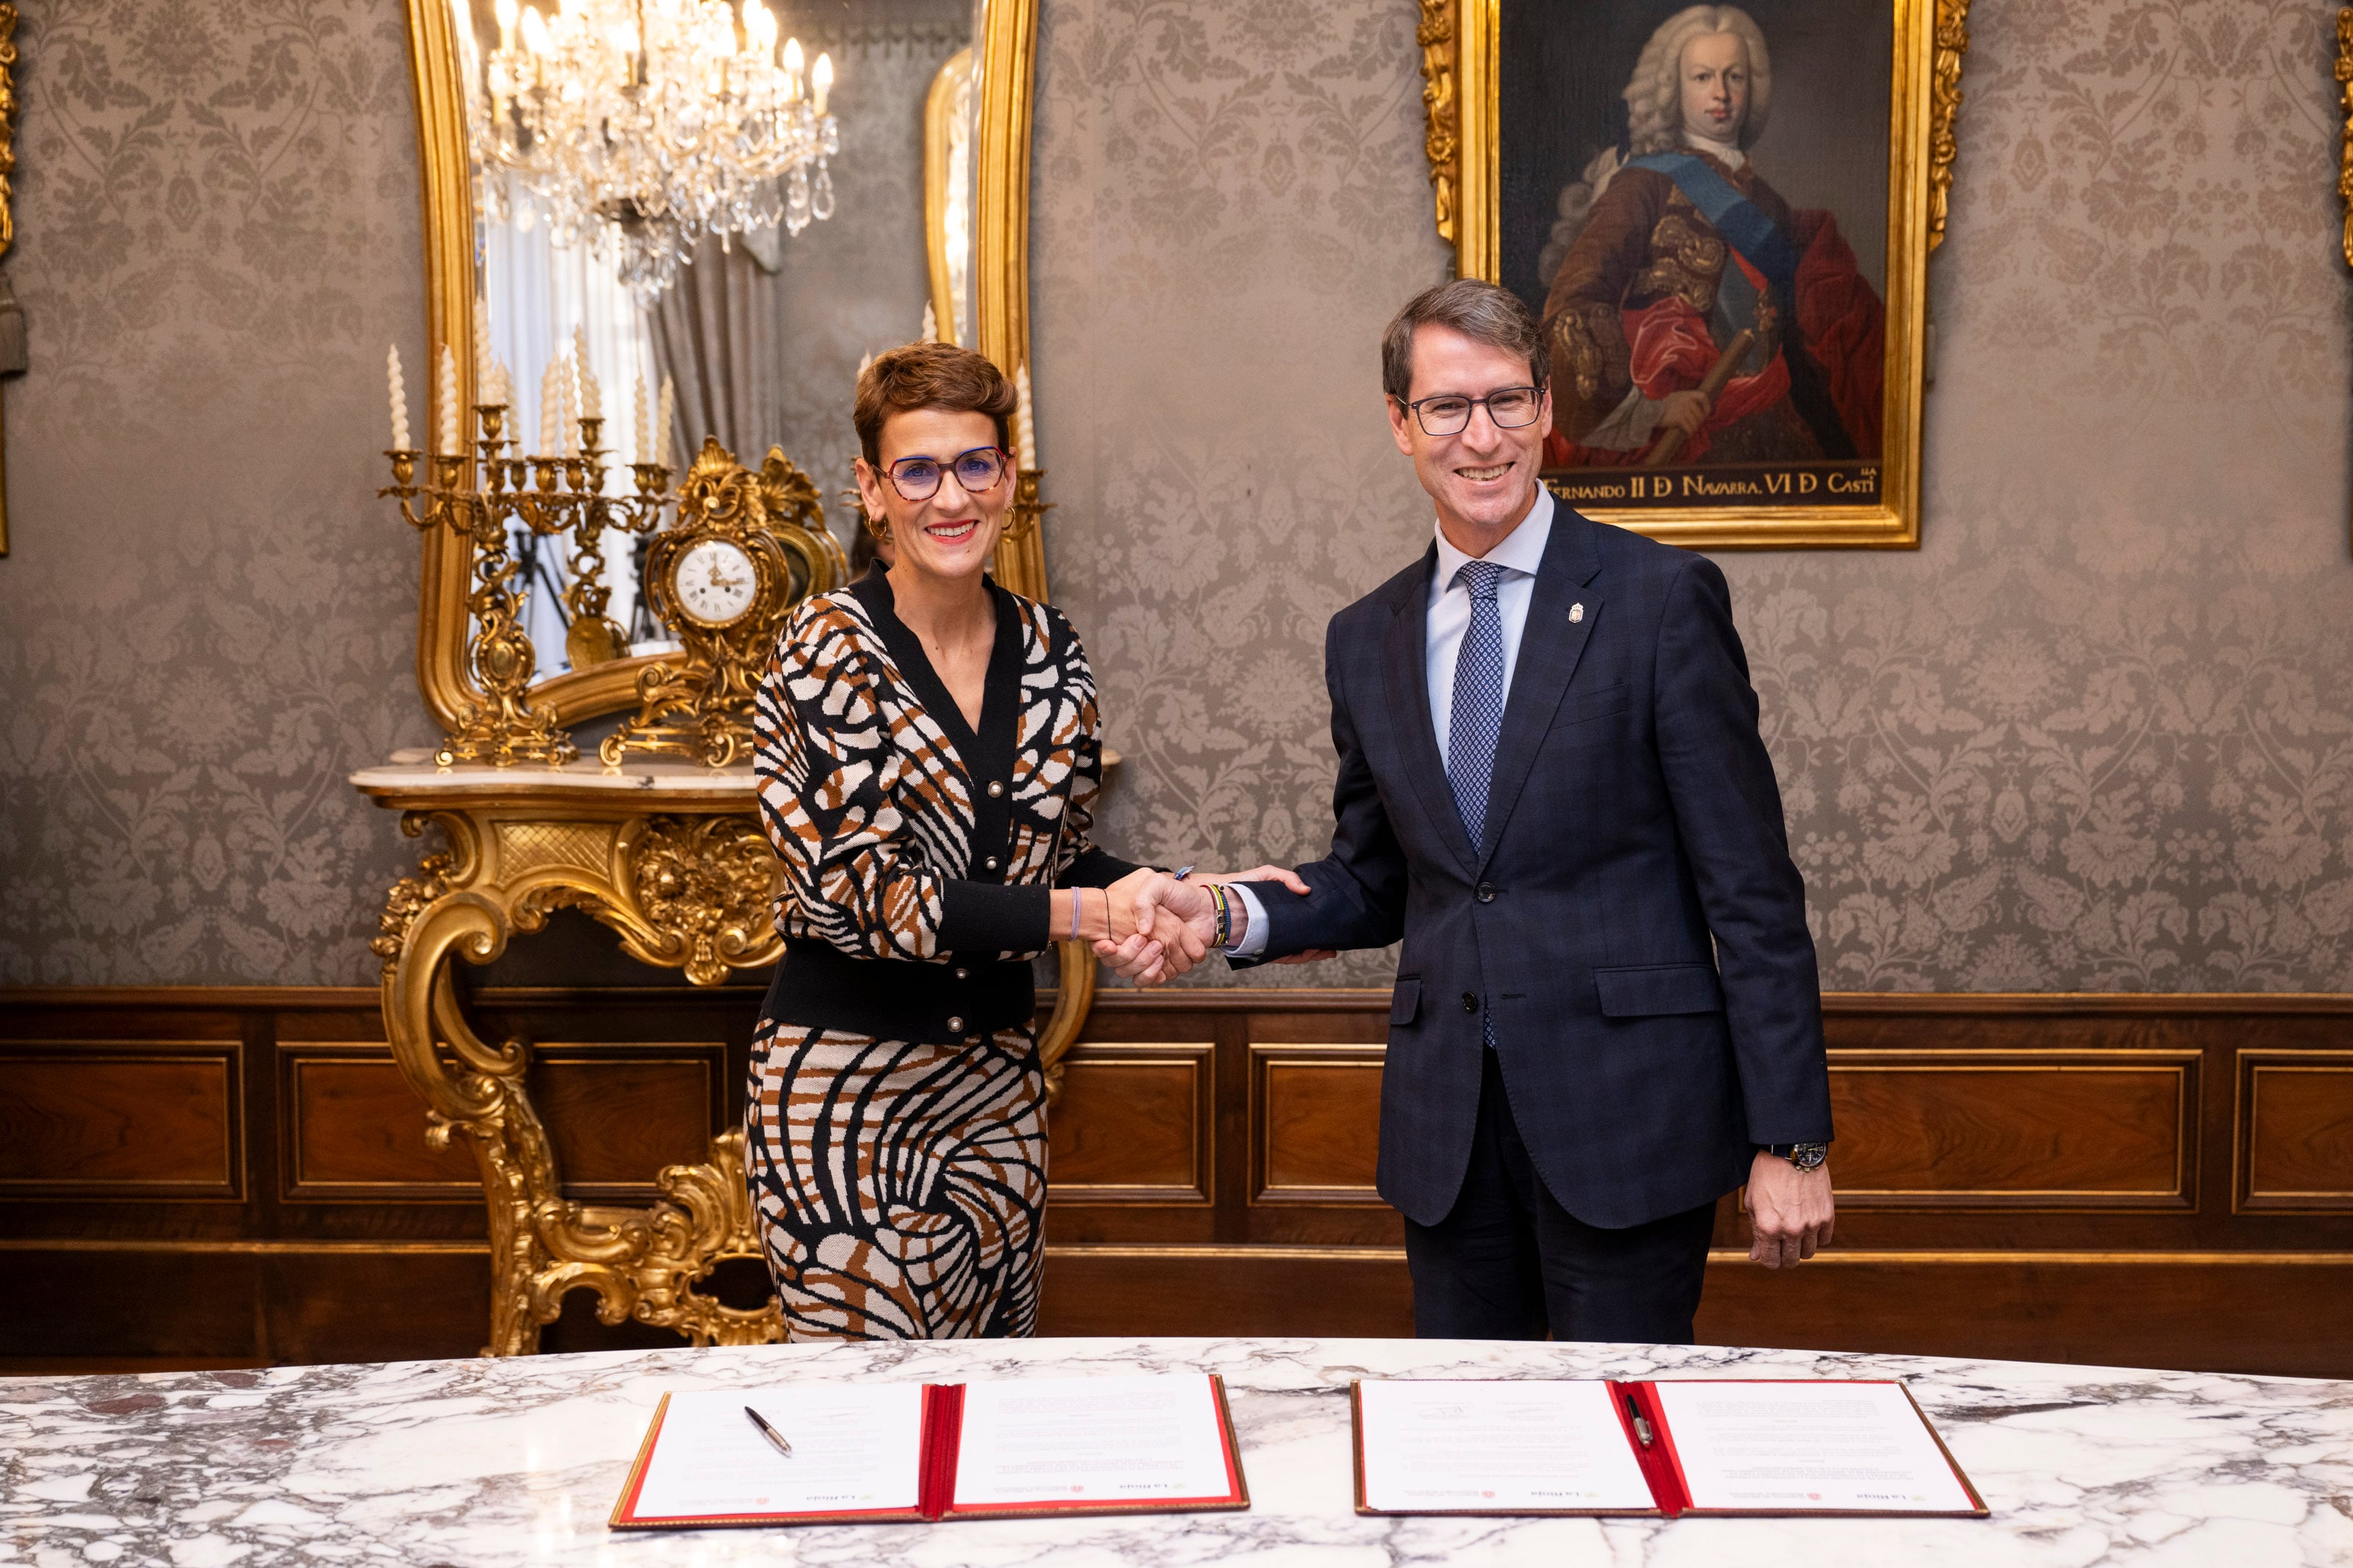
(647, 123)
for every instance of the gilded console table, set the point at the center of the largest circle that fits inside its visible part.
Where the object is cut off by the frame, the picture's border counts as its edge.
(671, 858)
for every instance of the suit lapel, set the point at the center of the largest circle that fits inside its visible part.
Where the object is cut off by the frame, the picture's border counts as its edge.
(1550, 646)
(1406, 669)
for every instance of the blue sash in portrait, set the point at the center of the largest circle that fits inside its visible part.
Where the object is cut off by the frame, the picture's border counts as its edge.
(1743, 224)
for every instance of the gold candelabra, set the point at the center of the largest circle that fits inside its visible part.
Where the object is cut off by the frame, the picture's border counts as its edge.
(548, 495)
(1028, 510)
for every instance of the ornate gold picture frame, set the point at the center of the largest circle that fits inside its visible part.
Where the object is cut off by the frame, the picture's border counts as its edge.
(1764, 392)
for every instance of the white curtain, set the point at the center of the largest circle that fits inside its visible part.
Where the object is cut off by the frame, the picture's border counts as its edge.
(538, 296)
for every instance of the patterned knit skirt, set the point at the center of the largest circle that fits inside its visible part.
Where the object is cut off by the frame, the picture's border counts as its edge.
(900, 1188)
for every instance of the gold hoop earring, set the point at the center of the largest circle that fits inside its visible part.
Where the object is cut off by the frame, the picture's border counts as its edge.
(881, 531)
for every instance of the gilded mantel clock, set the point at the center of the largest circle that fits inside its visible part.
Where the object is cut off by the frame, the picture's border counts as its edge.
(746, 549)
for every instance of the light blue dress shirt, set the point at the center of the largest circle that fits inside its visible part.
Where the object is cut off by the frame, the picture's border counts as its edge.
(1520, 553)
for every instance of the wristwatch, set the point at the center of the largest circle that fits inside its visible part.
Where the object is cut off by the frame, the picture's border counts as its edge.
(1805, 1156)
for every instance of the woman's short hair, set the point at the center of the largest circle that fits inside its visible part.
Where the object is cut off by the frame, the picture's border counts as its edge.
(1654, 105)
(929, 375)
(1480, 312)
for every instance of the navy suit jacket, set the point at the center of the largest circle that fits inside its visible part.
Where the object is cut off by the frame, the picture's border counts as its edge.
(1633, 921)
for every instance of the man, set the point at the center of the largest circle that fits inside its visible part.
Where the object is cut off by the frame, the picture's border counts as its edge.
(1551, 787)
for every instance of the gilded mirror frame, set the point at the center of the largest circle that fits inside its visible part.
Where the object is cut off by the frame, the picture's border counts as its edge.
(1005, 48)
(1459, 42)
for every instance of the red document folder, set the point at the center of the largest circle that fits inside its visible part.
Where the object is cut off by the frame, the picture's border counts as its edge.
(939, 1448)
(1663, 1467)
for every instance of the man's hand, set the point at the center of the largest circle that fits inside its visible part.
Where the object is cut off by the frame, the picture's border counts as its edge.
(1789, 1209)
(1283, 875)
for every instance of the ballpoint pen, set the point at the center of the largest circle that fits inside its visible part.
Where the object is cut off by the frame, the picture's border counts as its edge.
(774, 1437)
(1641, 1427)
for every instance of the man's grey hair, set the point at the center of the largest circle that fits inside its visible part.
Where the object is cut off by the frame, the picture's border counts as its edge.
(1480, 312)
(1654, 115)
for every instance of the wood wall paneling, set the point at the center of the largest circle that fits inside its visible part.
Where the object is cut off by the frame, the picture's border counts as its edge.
(1137, 1125)
(2061, 1128)
(355, 1131)
(2158, 1181)
(1316, 1113)
(120, 1119)
(2295, 1132)
(617, 1113)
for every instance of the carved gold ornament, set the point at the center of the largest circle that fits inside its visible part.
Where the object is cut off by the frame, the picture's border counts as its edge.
(746, 549)
(1944, 108)
(686, 890)
(1441, 141)
(2345, 98)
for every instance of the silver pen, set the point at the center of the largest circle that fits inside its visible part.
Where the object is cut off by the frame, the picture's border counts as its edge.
(776, 1438)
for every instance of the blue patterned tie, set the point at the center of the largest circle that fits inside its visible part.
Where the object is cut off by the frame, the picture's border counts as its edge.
(1478, 714)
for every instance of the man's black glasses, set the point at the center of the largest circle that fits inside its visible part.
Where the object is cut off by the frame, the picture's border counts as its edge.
(1449, 414)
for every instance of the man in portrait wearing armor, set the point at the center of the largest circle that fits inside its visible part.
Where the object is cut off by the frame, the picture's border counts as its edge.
(1691, 312)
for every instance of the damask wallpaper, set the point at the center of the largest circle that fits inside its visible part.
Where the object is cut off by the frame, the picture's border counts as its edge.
(206, 619)
(2096, 734)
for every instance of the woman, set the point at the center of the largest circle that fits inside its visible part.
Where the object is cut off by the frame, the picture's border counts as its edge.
(928, 762)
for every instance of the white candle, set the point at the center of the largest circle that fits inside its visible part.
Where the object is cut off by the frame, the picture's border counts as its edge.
(568, 391)
(1025, 430)
(482, 357)
(592, 396)
(663, 416)
(399, 400)
(820, 83)
(450, 446)
(551, 411)
(644, 448)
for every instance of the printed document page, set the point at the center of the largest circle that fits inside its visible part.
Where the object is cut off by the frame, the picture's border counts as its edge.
(1126, 1438)
(1436, 1446)
(857, 1448)
(1831, 1445)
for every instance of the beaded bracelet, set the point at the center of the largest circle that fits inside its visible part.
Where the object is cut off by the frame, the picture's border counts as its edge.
(1225, 915)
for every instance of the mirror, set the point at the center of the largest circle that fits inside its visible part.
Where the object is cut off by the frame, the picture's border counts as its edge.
(875, 148)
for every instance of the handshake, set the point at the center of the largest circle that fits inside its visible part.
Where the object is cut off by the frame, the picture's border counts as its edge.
(1160, 927)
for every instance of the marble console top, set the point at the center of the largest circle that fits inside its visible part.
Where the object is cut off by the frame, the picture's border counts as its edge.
(410, 775)
(496, 1462)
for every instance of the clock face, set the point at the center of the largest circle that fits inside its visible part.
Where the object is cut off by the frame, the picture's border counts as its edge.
(714, 583)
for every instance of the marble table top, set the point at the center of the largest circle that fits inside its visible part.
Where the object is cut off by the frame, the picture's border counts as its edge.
(496, 1462)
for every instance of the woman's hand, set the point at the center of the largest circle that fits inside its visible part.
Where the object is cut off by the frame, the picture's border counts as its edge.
(1159, 928)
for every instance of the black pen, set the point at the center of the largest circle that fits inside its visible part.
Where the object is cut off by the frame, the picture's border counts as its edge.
(774, 1437)
(1641, 1427)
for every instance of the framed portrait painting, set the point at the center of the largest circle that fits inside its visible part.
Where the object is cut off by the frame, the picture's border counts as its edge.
(1722, 216)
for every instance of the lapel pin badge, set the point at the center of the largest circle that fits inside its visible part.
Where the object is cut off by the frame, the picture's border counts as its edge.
(1576, 614)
